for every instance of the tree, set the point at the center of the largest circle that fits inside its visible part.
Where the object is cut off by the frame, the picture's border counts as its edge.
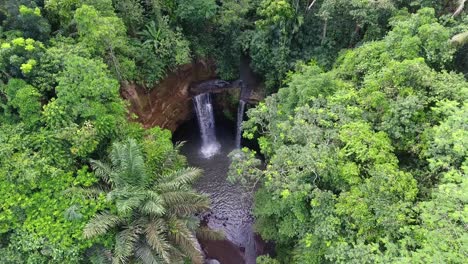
(25, 17)
(85, 91)
(34, 223)
(443, 216)
(19, 57)
(104, 36)
(167, 48)
(64, 10)
(25, 99)
(132, 14)
(196, 11)
(154, 213)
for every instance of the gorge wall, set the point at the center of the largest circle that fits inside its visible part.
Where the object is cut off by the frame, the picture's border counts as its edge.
(169, 103)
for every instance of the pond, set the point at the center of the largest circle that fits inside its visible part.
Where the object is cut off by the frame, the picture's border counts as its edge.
(231, 209)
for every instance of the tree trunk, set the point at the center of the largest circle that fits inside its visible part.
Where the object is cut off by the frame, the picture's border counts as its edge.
(324, 33)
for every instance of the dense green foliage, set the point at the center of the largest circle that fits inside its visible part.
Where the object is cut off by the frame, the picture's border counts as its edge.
(365, 145)
(142, 40)
(46, 141)
(60, 108)
(366, 163)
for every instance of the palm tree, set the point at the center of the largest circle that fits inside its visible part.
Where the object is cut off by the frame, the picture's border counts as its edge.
(154, 216)
(152, 35)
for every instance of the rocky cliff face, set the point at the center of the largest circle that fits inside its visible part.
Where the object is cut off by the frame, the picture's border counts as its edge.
(169, 103)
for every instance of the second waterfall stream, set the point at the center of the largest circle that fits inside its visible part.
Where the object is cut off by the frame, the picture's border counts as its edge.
(240, 117)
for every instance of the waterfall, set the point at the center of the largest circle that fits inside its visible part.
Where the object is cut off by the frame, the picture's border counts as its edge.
(240, 117)
(204, 110)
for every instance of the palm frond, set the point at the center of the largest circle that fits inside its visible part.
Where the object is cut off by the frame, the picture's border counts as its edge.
(149, 237)
(146, 254)
(150, 194)
(100, 224)
(153, 207)
(128, 160)
(177, 256)
(127, 192)
(136, 164)
(185, 203)
(128, 205)
(125, 244)
(192, 222)
(99, 255)
(102, 170)
(178, 145)
(185, 239)
(73, 213)
(154, 234)
(188, 197)
(178, 179)
(205, 233)
(89, 192)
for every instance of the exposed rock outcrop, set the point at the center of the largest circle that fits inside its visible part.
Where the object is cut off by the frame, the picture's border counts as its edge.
(214, 86)
(169, 103)
(223, 251)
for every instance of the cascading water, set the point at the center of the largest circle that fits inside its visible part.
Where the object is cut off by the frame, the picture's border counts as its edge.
(240, 117)
(231, 205)
(205, 116)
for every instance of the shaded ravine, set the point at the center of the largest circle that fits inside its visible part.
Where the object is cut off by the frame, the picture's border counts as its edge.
(231, 211)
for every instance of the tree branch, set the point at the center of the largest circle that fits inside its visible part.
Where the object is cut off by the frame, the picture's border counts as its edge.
(460, 8)
(311, 4)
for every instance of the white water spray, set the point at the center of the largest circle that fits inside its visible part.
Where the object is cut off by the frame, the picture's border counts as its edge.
(206, 122)
(240, 117)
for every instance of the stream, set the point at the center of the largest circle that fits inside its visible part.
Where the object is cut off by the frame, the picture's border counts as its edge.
(231, 211)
